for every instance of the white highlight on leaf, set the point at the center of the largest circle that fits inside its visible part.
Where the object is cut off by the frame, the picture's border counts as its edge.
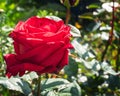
(108, 6)
(74, 31)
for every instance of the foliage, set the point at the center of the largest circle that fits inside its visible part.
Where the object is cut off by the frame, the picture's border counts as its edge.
(93, 68)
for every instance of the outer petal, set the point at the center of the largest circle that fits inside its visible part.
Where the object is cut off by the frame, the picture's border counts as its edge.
(19, 26)
(18, 68)
(11, 61)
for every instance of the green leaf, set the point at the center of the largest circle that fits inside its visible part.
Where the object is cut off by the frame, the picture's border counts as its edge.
(30, 76)
(114, 82)
(15, 84)
(88, 16)
(93, 6)
(82, 51)
(108, 69)
(51, 93)
(93, 26)
(60, 87)
(93, 65)
(71, 66)
(74, 31)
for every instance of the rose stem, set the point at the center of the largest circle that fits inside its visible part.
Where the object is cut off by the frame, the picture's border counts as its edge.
(67, 16)
(110, 34)
(39, 83)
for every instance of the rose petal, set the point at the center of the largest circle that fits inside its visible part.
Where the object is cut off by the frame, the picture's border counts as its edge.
(18, 68)
(10, 59)
(49, 69)
(38, 54)
(19, 26)
(44, 23)
(63, 62)
(54, 59)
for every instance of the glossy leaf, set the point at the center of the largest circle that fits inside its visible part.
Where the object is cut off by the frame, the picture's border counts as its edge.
(82, 50)
(74, 31)
(15, 84)
(108, 69)
(30, 76)
(71, 66)
(58, 87)
(93, 6)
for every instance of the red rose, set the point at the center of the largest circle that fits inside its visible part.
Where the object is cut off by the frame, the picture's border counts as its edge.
(40, 45)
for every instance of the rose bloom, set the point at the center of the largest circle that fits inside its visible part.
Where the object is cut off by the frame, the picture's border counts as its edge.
(40, 44)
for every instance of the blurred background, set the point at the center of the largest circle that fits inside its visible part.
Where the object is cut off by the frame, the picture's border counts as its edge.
(94, 64)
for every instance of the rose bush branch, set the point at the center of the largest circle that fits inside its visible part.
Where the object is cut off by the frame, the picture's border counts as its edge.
(110, 33)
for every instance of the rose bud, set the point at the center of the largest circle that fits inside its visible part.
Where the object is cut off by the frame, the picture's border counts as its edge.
(40, 45)
(69, 3)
